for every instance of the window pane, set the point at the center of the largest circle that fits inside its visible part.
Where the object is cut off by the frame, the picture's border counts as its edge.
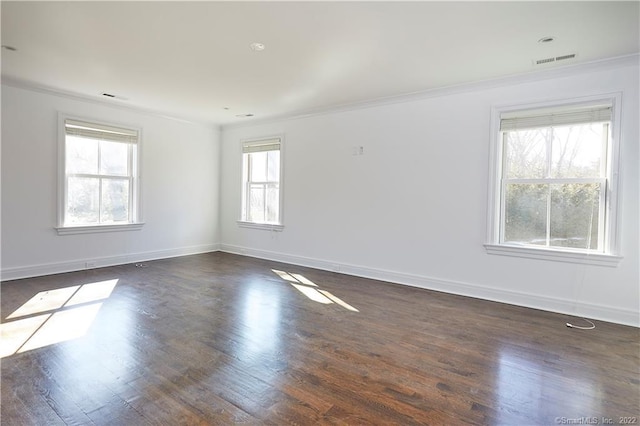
(273, 166)
(575, 215)
(256, 203)
(258, 167)
(526, 214)
(273, 204)
(115, 200)
(577, 150)
(114, 158)
(525, 153)
(82, 200)
(81, 155)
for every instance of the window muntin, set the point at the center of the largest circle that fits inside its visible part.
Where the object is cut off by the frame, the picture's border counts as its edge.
(261, 189)
(554, 178)
(100, 174)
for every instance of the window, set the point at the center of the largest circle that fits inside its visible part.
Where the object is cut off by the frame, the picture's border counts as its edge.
(261, 187)
(554, 187)
(99, 177)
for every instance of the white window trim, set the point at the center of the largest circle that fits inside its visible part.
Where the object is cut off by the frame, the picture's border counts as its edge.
(91, 229)
(554, 255)
(611, 255)
(276, 227)
(256, 225)
(61, 229)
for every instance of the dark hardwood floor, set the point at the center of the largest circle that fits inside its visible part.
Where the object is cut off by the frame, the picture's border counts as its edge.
(223, 339)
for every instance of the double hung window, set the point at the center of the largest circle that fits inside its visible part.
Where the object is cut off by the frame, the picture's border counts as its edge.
(100, 175)
(261, 187)
(554, 186)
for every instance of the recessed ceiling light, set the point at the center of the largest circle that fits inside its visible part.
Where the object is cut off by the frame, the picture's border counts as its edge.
(226, 108)
(11, 48)
(546, 40)
(257, 47)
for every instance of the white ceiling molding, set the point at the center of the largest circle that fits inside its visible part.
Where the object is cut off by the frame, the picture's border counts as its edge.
(99, 100)
(536, 75)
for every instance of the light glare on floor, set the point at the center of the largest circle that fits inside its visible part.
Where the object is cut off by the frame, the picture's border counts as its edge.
(66, 314)
(45, 301)
(311, 290)
(62, 326)
(312, 294)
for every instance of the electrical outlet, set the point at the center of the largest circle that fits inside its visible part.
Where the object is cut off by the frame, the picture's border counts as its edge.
(90, 265)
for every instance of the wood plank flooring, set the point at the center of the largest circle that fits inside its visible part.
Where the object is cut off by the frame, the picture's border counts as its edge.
(223, 339)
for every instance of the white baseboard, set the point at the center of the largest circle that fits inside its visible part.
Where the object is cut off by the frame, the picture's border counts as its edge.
(569, 307)
(8, 274)
(545, 303)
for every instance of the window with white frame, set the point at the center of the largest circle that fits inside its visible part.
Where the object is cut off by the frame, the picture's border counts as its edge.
(554, 185)
(99, 178)
(261, 182)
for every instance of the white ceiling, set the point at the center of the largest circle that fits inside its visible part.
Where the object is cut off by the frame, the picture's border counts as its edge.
(192, 59)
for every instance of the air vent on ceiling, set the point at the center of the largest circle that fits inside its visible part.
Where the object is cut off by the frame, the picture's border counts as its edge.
(545, 61)
(562, 58)
(112, 96)
(554, 59)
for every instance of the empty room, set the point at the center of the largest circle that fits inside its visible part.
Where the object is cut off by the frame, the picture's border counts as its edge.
(318, 212)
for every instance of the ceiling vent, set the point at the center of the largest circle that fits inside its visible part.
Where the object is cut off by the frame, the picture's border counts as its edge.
(112, 96)
(564, 57)
(554, 59)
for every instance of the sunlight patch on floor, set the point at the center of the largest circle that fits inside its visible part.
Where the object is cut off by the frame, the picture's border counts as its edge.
(45, 301)
(311, 290)
(13, 335)
(285, 276)
(53, 316)
(312, 294)
(339, 301)
(63, 326)
(303, 280)
(92, 292)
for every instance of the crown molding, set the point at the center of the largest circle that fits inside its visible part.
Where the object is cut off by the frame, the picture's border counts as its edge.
(116, 104)
(531, 76)
(520, 78)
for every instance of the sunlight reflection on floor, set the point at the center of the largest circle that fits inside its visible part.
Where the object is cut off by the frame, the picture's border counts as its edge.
(65, 314)
(311, 290)
(524, 381)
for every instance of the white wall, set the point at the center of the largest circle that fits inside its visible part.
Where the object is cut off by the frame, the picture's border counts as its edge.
(180, 183)
(412, 209)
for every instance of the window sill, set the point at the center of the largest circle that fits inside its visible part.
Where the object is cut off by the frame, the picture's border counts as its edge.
(91, 229)
(598, 259)
(265, 226)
